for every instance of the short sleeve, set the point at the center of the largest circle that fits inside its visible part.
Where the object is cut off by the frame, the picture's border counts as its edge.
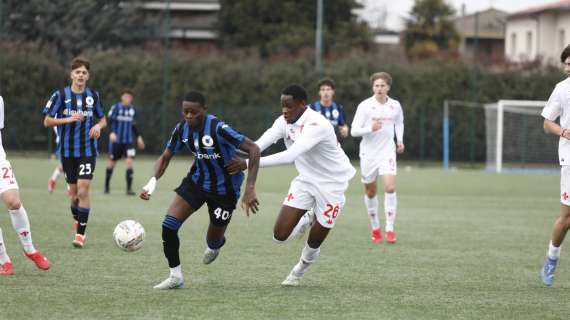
(175, 142)
(230, 135)
(99, 107)
(553, 107)
(53, 105)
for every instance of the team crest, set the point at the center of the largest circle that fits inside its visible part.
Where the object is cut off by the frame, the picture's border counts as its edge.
(89, 101)
(335, 114)
(207, 141)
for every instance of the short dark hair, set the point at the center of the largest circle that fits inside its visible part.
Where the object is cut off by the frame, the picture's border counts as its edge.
(565, 54)
(80, 62)
(297, 92)
(127, 91)
(381, 75)
(195, 96)
(326, 82)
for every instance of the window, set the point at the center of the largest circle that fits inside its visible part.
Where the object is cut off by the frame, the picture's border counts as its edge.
(562, 39)
(529, 44)
(513, 45)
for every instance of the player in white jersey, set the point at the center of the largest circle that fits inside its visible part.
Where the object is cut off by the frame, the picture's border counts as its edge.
(559, 106)
(324, 173)
(377, 119)
(11, 198)
(58, 169)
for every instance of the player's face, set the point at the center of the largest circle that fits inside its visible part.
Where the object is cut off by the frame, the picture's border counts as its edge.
(126, 99)
(380, 87)
(291, 109)
(193, 113)
(326, 93)
(567, 66)
(79, 76)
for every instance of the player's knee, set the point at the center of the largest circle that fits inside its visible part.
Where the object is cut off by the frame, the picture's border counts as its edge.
(13, 203)
(390, 189)
(279, 235)
(371, 192)
(82, 194)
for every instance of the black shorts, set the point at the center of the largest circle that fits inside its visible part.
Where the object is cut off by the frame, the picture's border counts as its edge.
(119, 150)
(78, 168)
(220, 208)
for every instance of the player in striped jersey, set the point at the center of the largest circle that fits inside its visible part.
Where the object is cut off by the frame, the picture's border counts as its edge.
(122, 138)
(330, 109)
(213, 144)
(74, 110)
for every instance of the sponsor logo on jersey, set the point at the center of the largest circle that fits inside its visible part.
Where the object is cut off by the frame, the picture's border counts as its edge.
(205, 156)
(86, 113)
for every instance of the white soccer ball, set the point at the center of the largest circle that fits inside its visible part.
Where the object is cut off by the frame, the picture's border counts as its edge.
(129, 235)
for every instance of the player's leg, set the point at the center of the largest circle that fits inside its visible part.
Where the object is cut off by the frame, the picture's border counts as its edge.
(86, 169)
(129, 173)
(220, 209)
(108, 174)
(53, 179)
(369, 172)
(21, 225)
(70, 168)
(6, 268)
(390, 205)
(293, 217)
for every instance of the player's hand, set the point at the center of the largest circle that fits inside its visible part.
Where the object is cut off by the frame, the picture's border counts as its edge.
(140, 143)
(113, 137)
(78, 116)
(400, 147)
(95, 131)
(249, 201)
(148, 189)
(236, 165)
(376, 124)
(343, 131)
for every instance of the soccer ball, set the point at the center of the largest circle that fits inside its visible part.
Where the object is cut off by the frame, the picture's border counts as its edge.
(129, 235)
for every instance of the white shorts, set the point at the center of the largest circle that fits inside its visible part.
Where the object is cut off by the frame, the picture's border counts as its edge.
(326, 201)
(565, 185)
(370, 169)
(7, 178)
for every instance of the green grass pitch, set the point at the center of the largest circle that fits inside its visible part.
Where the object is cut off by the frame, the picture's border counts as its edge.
(470, 246)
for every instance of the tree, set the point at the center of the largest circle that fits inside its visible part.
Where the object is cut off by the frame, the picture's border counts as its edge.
(430, 29)
(70, 26)
(289, 25)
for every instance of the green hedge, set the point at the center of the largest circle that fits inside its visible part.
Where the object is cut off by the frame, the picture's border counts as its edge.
(244, 91)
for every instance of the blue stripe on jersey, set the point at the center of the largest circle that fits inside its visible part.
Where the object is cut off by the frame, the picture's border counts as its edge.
(330, 113)
(122, 119)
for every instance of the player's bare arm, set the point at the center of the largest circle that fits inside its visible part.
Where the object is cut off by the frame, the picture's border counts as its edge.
(52, 122)
(95, 131)
(555, 129)
(249, 199)
(400, 148)
(140, 143)
(159, 168)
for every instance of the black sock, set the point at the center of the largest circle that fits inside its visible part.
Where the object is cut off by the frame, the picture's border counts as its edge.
(170, 241)
(82, 217)
(129, 177)
(108, 175)
(74, 212)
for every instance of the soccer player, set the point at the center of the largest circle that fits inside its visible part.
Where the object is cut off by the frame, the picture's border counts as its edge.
(122, 138)
(59, 169)
(73, 110)
(317, 193)
(213, 144)
(558, 105)
(18, 215)
(330, 109)
(376, 120)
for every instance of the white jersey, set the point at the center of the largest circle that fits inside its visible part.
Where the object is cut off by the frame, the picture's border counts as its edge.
(313, 147)
(2, 152)
(558, 105)
(379, 143)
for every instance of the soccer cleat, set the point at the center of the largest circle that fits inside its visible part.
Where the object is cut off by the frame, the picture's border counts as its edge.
(391, 237)
(6, 269)
(106, 191)
(548, 271)
(292, 280)
(376, 235)
(170, 283)
(40, 261)
(79, 241)
(210, 255)
(51, 185)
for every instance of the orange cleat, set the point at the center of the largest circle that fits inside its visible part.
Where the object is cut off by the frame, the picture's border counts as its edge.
(79, 241)
(51, 185)
(376, 235)
(6, 269)
(38, 258)
(391, 237)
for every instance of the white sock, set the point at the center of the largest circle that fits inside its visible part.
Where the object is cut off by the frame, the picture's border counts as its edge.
(553, 252)
(3, 254)
(305, 220)
(372, 208)
(390, 203)
(55, 174)
(308, 256)
(21, 224)
(176, 271)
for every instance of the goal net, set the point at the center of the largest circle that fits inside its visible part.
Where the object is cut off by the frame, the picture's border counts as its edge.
(515, 137)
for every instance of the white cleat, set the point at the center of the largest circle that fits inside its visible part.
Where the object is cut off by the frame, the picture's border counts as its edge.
(210, 255)
(170, 283)
(292, 280)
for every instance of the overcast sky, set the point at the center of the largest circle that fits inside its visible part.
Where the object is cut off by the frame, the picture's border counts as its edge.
(396, 10)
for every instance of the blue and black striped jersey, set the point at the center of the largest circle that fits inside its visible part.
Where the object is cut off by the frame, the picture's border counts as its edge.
(334, 113)
(74, 137)
(121, 121)
(213, 147)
